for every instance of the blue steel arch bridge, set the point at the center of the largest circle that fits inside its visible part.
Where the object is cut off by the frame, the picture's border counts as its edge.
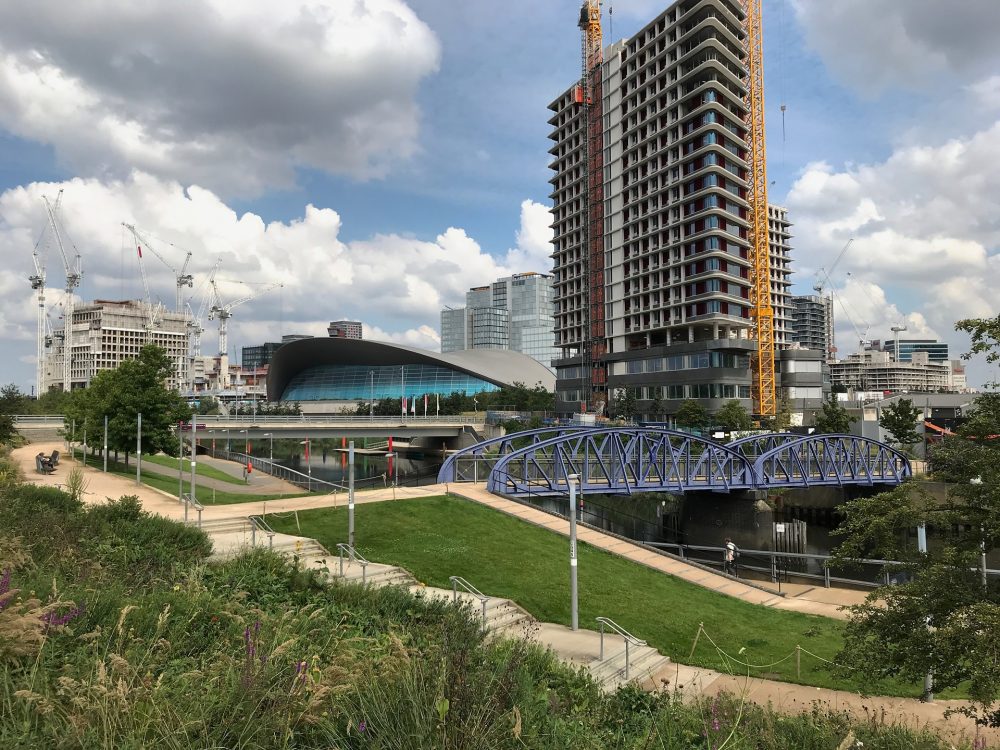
(624, 460)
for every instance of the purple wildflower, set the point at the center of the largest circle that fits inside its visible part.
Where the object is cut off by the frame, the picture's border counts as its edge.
(362, 726)
(55, 620)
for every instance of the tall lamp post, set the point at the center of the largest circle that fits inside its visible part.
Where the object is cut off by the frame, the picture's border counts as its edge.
(308, 465)
(574, 601)
(226, 430)
(247, 444)
(270, 437)
(371, 397)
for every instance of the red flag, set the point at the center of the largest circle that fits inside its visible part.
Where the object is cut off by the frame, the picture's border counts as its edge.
(425, 404)
(139, 248)
(307, 450)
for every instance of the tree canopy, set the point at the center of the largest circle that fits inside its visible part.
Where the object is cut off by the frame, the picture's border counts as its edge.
(900, 420)
(833, 418)
(732, 416)
(691, 414)
(135, 386)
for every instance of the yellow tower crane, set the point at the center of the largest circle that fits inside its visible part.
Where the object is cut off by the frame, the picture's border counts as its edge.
(764, 386)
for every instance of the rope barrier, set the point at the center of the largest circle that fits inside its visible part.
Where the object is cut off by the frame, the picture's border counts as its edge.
(797, 653)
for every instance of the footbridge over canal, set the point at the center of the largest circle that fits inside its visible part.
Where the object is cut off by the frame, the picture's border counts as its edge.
(624, 460)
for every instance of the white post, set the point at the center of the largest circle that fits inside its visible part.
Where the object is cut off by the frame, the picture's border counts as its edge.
(573, 592)
(105, 443)
(138, 449)
(350, 494)
(194, 454)
(928, 694)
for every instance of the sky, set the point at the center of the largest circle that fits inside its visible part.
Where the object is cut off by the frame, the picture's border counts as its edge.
(379, 157)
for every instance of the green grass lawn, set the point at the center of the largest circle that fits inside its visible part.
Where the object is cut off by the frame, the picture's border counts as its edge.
(203, 469)
(168, 483)
(438, 537)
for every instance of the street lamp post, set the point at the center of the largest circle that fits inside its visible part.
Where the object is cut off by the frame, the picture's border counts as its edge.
(308, 465)
(350, 494)
(105, 443)
(574, 602)
(270, 437)
(371, 397)
(928, 694)
(226, 430)
(402, 389)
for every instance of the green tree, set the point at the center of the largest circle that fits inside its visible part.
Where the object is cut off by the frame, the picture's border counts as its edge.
(656, 408)
(941, 620)
(900, 420)
(692, 415)
(135, 386)
(833, 419)
(625, 405)
(208, 405)
(985, 333)
(12, 402)
(732, 416)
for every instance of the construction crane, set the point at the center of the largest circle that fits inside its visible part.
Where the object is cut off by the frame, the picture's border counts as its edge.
(225, 311)
(153, 312)
(74, 274)
(764, 387)
(862, 337)
(37, 281)
(181, 278)
(195, 324)
(818, 288)
(590, 99)
(896, 330)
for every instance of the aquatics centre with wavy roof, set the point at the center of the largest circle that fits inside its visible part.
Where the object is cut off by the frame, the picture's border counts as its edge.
(334, 369)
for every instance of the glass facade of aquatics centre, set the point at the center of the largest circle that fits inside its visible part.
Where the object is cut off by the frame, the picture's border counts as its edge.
(364, 382)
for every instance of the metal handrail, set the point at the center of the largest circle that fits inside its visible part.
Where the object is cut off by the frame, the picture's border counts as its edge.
(457, 581)
(626, 636)
(258, 521)
(294, 476)
(207, 420)
(774, 555)
(191, 502)
(353, 556)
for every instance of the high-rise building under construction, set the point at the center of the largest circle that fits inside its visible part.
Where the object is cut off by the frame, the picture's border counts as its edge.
(674, 280)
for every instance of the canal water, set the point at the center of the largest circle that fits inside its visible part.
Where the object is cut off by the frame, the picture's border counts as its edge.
(369, 470)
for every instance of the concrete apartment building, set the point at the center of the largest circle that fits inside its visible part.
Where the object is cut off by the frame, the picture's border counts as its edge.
(812, 324)
(514, 312)
(877, 371)
(676, 287)
(779, 237)
(344, 329)
(105, 333)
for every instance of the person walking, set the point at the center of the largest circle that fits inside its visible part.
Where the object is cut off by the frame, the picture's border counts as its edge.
(729, 557)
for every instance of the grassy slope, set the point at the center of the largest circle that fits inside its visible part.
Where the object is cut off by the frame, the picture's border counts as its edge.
(204, 470)
(439, 537)
(168, 484)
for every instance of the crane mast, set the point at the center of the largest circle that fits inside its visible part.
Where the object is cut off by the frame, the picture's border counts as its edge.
(37, 281)
(224, 312)
(764, 387)
(74, 274)
(590, 98)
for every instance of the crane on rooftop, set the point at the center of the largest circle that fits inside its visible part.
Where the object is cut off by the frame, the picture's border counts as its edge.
(224, 311)
(181, 277)
(74, 274)
(37, 281)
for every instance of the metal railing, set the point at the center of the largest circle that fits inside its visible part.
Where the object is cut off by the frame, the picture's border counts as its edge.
(26, 420)
(626, 636)
(777, 563)
(208, 420)
(258, 522)
(457, 581)
(354, 557)
(189, 502)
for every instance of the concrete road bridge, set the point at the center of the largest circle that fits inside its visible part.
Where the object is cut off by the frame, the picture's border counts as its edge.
(452, 430)
(624, 460)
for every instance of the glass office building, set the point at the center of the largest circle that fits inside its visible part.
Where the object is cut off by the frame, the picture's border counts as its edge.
(362, 382)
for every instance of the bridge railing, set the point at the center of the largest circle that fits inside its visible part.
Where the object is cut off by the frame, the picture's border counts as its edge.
(332, 419)
(29, 420)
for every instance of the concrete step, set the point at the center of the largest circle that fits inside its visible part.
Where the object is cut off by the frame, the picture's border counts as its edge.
(224, 525)
(643, 662)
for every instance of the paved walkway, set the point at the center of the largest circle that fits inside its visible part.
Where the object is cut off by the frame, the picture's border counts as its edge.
(101, 486)
(799, 598)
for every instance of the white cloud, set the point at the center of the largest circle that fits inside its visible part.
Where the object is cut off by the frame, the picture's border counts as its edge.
(534, 240)
(925, 229)
(231, 95)
(873, 45)
(396, 285)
